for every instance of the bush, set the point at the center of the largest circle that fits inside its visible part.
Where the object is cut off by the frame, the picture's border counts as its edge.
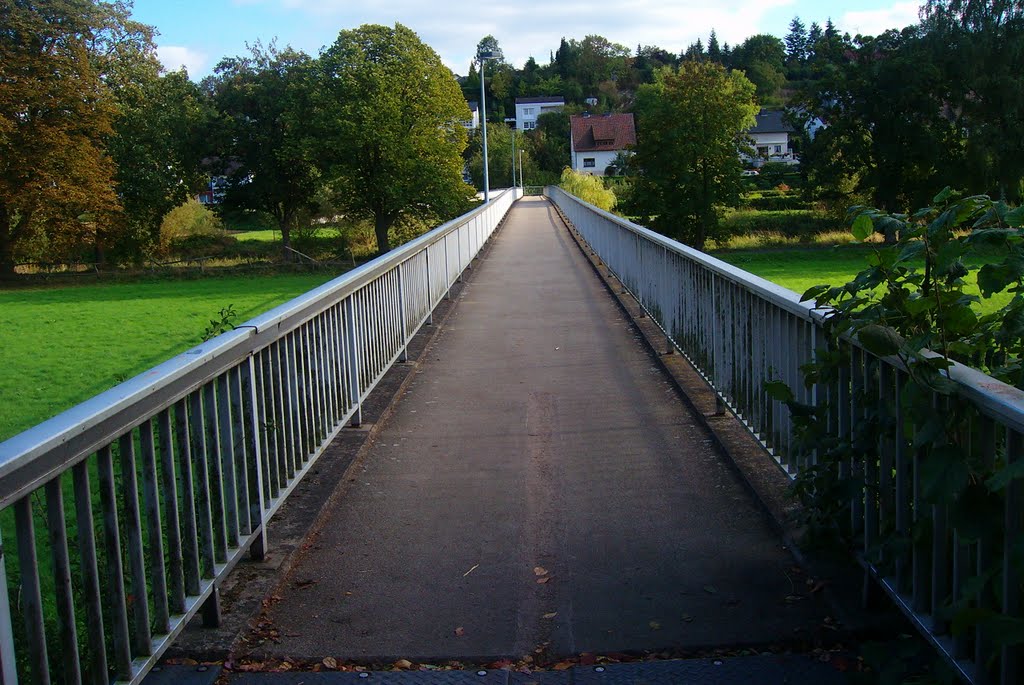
(187, 221)
(777, 201)
(587, 188)
(790, 223)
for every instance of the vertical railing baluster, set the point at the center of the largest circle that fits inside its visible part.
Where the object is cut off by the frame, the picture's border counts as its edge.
(213, 469)
(8, 657)
(352, 349)
(151, 498)
(31, 595)
(190, 535)
(64, 594)
(224, 436)
(115, 569)
(204, 510)
(243, 449)
(1013, 508)
(95, 635)
(142, 641)
(256, 488)
(175, 566)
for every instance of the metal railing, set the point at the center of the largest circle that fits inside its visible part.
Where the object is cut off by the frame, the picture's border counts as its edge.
(172, 476)
(740, 331)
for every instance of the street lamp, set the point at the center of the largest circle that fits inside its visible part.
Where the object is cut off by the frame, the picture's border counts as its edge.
(483, 56)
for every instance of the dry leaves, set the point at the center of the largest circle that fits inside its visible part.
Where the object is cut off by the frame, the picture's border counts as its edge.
(460, 631)
(551, 615)
(539, 571)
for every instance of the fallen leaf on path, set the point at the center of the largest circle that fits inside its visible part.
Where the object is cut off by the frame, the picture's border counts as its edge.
(539, 571)
(688, 618)
(711, 589)
(654, 625)
(543, 580)
(563, 665)
(551, 615)
(460, 631)
(587, 659)
(330, 662)
(475, 567)
(403, 664)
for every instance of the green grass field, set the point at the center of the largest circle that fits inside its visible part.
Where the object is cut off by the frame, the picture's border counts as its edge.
(61, 346)
(801, 268)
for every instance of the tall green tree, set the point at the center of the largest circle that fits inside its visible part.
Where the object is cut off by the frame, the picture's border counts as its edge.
(979, 45)
(267, 152)
(389, 115)
(55, 114)
(690, 127)
(889, 134)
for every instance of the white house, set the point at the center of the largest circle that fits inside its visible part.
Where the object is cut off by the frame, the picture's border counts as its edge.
(528, 109)
(595, 141)
(771, 135)
(473, 123)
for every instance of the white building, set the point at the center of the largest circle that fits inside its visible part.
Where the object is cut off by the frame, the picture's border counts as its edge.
(771, 135)
(528, 109)
(597, 140)
(473, 123)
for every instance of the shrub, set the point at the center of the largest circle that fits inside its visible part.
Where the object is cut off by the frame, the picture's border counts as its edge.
(587, 188)
(187, 221)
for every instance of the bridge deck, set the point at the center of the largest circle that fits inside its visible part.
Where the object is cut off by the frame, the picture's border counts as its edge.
(540, 485)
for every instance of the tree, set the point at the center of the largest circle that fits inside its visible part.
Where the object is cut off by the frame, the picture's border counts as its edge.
(714, 50)
(888, 131)
(979, 45)
(268, 154)
(55, 113)
(551, 141)
(690, 124)
(796, 42)
(388, 115)
(157, 148)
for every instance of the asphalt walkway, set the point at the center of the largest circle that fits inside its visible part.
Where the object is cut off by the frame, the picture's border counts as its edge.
(539, 486)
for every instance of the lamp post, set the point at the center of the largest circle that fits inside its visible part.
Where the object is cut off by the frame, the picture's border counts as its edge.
(522, 183)
(483, 56)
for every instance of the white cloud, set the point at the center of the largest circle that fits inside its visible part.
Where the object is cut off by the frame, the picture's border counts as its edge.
(534, 27)
(874, 22)
(174, 57)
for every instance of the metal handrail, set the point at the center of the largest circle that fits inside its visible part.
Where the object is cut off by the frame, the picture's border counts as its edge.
(740, 331)
(217, 437)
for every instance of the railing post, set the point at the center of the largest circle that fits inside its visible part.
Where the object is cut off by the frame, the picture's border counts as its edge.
(352, 342)
(403, 356)
(257, 509)
(8, 660)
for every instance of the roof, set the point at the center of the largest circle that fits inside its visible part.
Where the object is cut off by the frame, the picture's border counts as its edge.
(607, 132)
(558, 99)
(770, 121)
(473, 106)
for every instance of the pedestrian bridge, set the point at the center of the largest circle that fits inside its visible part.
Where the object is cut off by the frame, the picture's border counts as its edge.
(541, 487)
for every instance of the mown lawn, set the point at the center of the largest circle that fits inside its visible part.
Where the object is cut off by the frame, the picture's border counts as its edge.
(801, 268)
(60, 346)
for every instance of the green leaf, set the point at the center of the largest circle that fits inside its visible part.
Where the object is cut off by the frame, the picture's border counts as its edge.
(862, 227)
(881, 341)
(1006, 475)
(778, 390)
(943, 195)
(813, 292)
(944, 473)
(1015, 217)
(960, 320)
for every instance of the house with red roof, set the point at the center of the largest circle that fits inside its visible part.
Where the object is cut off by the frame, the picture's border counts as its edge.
(597, 139)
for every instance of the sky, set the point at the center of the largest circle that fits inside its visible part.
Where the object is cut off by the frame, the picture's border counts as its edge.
(196, 34)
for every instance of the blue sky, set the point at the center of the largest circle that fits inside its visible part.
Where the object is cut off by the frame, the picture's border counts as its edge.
(197, 33)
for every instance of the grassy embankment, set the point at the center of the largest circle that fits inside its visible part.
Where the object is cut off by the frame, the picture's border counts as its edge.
(63, 345)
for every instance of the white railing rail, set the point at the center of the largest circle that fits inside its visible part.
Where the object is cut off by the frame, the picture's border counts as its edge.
(740, 331)
(173, 475)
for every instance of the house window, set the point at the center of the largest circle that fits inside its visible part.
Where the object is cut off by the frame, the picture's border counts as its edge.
(529, 124)
(778, 149)
(528, 111)
(589, 162)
